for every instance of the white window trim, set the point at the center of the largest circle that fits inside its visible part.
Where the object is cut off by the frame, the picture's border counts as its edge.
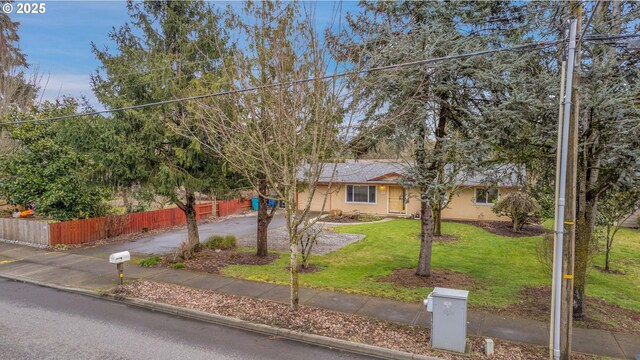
(475, 197)
(346, 201)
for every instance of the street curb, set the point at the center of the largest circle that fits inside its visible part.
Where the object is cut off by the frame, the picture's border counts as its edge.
(318, 340)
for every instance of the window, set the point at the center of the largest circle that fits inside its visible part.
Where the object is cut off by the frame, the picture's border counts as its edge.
(486, 196)
(361, 194)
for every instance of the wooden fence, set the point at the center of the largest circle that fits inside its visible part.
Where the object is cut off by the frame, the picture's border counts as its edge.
(88, 230)
(230, 207)
(25, 231)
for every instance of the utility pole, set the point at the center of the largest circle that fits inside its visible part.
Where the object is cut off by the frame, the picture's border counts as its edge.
(566, 321)
(561, 277)
(568, 252)
(563, 71)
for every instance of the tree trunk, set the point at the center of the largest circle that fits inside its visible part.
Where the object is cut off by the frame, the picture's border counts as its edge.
(426, 213)
(437, 220)
(293, 271)
(190, 246)
(263, 218)
(426, 240)
(440, 133)
(607, 250)
(192, 222)
(126, 200)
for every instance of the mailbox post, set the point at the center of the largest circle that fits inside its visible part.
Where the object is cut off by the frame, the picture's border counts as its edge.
(119, 259)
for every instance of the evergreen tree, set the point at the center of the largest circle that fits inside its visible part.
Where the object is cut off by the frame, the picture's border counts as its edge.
(520, 105)
(49, 171)
(609, 126)
(161, 52)
(430, 107)
(17, 89)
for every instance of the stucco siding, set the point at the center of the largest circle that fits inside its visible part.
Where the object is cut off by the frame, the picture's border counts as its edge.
(462, 206)
(336, 200)
(318, 199)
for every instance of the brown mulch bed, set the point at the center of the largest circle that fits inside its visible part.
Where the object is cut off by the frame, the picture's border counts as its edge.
(505, 228)
(610, 271)
(534, 303)
(348, 220)
(212, 261)
(312, 320)
(443, 278)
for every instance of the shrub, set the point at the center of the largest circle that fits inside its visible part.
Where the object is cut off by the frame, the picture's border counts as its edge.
(544, 253)
(178, 265)
(221, 242)
(520, 207)
(150, 261)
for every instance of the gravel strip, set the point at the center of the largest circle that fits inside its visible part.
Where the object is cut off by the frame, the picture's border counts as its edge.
(316, 321)
(328, 241)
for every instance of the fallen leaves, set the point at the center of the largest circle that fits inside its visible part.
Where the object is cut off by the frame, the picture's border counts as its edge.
(413, 339)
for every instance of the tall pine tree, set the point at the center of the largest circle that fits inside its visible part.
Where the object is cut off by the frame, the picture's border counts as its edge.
(160, 52)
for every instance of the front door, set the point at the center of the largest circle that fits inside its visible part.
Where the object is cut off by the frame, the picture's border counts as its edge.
(396, 199)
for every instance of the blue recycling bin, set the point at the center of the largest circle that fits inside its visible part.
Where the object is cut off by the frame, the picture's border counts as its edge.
(271, 203)
(254, 203)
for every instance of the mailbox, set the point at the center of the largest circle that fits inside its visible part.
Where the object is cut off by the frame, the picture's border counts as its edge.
(120, 257)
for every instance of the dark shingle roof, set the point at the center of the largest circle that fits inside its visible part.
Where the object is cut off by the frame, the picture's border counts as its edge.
(370, 172)
(362, 171)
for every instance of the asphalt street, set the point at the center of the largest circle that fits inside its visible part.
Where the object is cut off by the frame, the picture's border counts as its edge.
(43, 323)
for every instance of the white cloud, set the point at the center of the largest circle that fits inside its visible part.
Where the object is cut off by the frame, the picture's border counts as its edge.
(55, 86)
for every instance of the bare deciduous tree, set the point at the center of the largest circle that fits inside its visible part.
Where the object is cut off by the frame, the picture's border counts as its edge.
(614, 208)
(292, 132)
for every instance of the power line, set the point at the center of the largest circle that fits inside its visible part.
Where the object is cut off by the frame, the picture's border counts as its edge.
(586, 26)
(294, 82)
(609, 37)
(301, 81)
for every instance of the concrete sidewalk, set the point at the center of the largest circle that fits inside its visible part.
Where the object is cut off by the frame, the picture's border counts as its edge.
(81, 271)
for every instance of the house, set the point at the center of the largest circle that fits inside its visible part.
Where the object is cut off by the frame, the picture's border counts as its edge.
(633, 221)
(375, 187)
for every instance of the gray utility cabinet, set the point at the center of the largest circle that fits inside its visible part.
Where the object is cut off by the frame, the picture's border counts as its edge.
(448, 309)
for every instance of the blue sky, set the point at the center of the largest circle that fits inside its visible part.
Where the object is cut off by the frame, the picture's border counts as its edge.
(58, 42)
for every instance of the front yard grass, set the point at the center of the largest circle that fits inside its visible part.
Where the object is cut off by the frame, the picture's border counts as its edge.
(500, 266)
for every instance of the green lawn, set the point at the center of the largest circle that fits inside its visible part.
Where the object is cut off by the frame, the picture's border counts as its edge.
(623, 290)
(500, 265)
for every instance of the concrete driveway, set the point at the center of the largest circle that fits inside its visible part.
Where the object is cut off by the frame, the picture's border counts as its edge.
(242, 227)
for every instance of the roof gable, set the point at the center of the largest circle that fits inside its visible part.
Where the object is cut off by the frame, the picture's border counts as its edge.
(392, 176)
